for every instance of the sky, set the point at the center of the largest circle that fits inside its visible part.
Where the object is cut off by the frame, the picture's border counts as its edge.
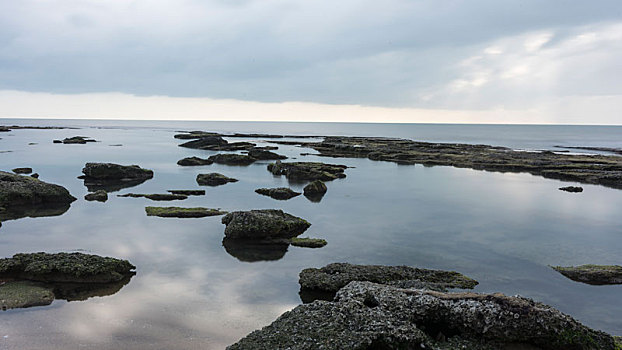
(445, 61)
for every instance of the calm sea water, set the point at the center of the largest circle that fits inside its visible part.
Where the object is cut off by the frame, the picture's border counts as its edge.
(191, 293)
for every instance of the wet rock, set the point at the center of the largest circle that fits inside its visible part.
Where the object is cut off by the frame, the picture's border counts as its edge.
(100, 196)
(315, 190)
(155, 196)
(369, 316)
(232, 159)
(23, 294)
(65, 267)
(177, 212)
(194, 161)
(263, 224)
(281, 193)
(34, 176)
(22, 196)
(75, 140)
(214, 179)
(592, 274)
(263, 154)
(307, 242)
(113, 177)
(252, 250)
(22, 170)
(308, 170)
(188, 192)
(574, 189)
(333, 277)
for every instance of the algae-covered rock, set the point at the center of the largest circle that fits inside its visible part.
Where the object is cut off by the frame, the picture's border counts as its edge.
(263, 154)
(281, 193)
(315, 191)
(65, 267)
(188, 192)
(214, 179)
(592, 274)
(99, 195)
(178, 212)
(232, 159)
(194, 161)
(263, 224)
(22, 170)
(156, 196)
(308, 170)
(22, 294)
(367, 316)
(334, 276)
(574, 189)
(307, 242)
(113, 177)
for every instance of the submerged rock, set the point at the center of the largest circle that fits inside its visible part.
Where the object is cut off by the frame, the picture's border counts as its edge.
(214, 179)
(308, 170)
(574, 189)
(333, 277)
(592, 274)
(263, 154)
(315, 191)
(188, 192)
(22, 170)
(366, 315)
(113, 177)
(194, 161)
(251, 250)
(156, 196)
(307, 242)
(263, 224)
(281, 193)
(100, 196)
(178, 212)
(232, 159)
(65, 267)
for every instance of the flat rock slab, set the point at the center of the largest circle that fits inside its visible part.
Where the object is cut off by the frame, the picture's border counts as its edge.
(307, 242)
(214, 179)
(194, 161)
(368, 316)
(592, 274)
(263, 224)
(280, 193)
(178, 212)
(156, 196)
(308, 170)
(333, 277)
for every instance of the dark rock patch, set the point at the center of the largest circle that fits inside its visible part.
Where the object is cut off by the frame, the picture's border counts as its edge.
(263, 224)
(75, 140)
(113, 177)
(308, 170)
(217, 143)
(22, 170)
(214, 179)
(307, 242)
(280, 193)
(574, 189)
(592, 274)
(35, 175)
(315, 191)
(232, 159)
(100, 196)
(263, 154)
(194, 161)
(155, 196)
(177, 212)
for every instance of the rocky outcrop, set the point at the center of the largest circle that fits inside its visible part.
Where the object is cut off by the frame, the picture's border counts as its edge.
(194, 161)
(188, 192)
(280, 193)
(22, 170)
(263, 224)
(592, 274)
(315, 191)
(100, 196)
(113, 177)
(214, 143)
(177, 212)
(308, 170)
(232, 159)
(22, 196)
(308, 242)
(214, 179)
(574, 189)
(75, 140)
(156, 196)
(263, 154)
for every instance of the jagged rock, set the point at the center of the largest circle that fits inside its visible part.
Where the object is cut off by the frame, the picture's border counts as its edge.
(332, 277)
(214, 179)
(232, 159)
(65, 267)
(281, 193)
(315, 190)
(100, 196)
(308, 170)
(592, 274)
(574, 189)
(194, 161)
(155, 196)
(263, 224)
(263, 154)
(177, 212)
(369, 316)
(22, 196)
(308, 242)
(113, 177)
(188, 192)
(22, 170)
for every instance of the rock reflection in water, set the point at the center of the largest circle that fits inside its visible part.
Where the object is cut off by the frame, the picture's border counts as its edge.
(33, 211)
(250, 250)
(93, 185)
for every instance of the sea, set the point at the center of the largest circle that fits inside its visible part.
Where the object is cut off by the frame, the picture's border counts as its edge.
(190, 291)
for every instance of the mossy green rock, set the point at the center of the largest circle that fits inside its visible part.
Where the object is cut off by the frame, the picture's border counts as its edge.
(592, 274)
(262, 224)
(315, 190)
(22, 294)
(177, 212)
(308, 242)
(65, 267)
(214, 179)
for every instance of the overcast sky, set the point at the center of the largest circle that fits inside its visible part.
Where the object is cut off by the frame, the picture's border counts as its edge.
(431, 61)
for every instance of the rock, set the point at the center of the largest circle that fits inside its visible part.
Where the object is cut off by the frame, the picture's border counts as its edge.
(188, 192)
(232, 159)
(100, 196)
(22, 196)
(65, 267)
(207, 142)
(308, 170)
(263, 224)
(252, 250)
(156, 196)
(196, 135)
(22, 294)
(365, 315)
(308, 242)
(34, 176)
(113, 177)
(281, 193)
(4, 129)
(22, 170)
(214, 179)
(592, 274)
(264, 154)
(333, 277)
(75, 140)
(194, 161)
(574, 189)
(177, 212)
(57, 141)
(315, 190)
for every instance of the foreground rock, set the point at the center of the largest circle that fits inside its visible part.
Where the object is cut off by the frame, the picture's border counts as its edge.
(65, 267)
(22, 170)
(308, 242)
(214, 179)
(113, 177)
(574, 189)
(100, 196)
(22, 196)
(369, 316)
(232, 159)
(263, 224)
(156, 196)
(178, 212)
(281, 193)
(592, 274)
(263, 154)
(315, 191)
(308, 170)
(333, 277)
(194, 161)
